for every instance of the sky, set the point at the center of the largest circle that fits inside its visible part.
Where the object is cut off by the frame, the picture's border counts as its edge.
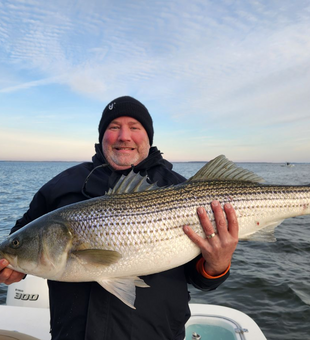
(218, 77)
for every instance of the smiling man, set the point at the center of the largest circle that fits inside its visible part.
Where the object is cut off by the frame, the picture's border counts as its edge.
(85, 310)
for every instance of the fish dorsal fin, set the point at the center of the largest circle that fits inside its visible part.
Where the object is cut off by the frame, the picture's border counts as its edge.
(220, 168)
(132, 183)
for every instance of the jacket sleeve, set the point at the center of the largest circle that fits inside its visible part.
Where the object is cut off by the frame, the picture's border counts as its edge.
(199, 281)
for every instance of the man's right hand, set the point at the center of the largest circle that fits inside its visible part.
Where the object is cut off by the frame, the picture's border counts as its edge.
(8, 275)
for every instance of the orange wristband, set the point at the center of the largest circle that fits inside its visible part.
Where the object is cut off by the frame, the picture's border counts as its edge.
(200, 266)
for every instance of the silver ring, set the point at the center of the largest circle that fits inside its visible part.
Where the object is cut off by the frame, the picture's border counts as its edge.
(211, 236)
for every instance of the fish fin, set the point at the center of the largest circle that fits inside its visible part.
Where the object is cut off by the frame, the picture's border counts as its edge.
(264, 235)
(132, 183)
(220, 168)
(124, 288)
(97, 256)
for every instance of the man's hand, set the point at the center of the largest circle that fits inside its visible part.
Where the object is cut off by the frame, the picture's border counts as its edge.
(8, 275)
(217, 249)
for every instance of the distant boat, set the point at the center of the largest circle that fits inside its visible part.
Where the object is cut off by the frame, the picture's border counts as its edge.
(288, 165)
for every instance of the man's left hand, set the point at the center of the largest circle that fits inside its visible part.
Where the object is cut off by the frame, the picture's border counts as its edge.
(217, 248)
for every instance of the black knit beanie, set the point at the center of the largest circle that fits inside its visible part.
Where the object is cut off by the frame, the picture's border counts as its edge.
(126, 106)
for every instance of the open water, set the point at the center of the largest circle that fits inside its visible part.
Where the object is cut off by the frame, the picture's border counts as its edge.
(268, 281)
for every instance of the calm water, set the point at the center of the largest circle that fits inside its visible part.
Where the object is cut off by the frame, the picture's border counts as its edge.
(268, 281)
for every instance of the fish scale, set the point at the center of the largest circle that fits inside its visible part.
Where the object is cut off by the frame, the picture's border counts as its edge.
(136, 229)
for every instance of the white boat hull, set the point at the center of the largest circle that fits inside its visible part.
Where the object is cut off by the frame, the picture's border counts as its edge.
(26, 317)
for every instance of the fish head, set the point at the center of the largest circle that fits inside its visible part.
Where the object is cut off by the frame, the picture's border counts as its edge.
(40, 248)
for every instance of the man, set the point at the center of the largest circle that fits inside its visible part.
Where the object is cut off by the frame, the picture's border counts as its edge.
(85, 310)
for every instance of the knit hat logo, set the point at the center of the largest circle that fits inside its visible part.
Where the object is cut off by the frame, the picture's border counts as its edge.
(111, 106)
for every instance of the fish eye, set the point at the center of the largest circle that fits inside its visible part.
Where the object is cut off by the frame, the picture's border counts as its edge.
(15, 243)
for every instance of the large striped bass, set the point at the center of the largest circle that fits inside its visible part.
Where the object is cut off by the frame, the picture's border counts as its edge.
(137, 228)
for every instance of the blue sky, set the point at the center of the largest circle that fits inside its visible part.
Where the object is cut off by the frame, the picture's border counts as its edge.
(218, 77)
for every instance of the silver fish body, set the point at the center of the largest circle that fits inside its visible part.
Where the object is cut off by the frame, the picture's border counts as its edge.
(137, 229)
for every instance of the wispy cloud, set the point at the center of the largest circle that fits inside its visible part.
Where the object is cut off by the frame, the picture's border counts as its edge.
(30, 84)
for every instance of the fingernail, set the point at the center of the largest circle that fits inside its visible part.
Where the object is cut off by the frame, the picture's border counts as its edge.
(215, 203)
(200, 211)
(186, 228)
(228, 205)
(4, 262)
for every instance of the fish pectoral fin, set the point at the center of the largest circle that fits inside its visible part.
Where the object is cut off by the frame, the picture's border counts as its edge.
(264, 235)
(97, 256)
(123, 288)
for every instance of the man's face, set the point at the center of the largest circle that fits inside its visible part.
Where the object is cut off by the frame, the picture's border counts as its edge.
(125, 142)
